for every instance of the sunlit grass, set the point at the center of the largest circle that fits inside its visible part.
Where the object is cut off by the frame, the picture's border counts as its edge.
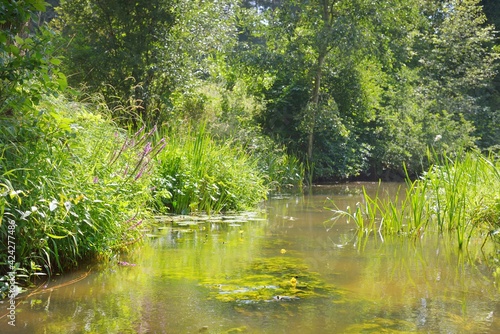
(197, 174)
(73, 184)
(459, 196)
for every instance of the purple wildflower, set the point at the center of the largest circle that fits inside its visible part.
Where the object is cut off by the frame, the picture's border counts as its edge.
(139, 131)
(140, 173)
(131, 218)
(139, 222)
(126, 170)
(125, 263)
(153, 130)
(147, 149)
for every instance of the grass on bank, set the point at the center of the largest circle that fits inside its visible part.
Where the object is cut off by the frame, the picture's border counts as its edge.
(460, 196)
(75, 187)
(72, 184)
(197, 174)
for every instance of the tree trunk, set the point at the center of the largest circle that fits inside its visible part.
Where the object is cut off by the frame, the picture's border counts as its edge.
(323, 51)
(315, 103)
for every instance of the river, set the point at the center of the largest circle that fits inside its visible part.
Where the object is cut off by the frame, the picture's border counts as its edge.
(285, 268)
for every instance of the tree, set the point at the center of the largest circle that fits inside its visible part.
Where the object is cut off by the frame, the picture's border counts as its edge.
(488, 127)
(142, 51)
(313, 43)
(437, 99)
(355, 84)
(114, 47)
(457, 64)
(28, 66)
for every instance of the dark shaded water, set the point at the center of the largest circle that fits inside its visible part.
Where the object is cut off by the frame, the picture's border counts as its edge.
(237, 275)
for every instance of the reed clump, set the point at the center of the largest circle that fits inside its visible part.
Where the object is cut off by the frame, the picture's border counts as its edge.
(456, 195)
(197, 174)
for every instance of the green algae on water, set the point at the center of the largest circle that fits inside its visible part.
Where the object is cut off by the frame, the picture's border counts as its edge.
(270, 279)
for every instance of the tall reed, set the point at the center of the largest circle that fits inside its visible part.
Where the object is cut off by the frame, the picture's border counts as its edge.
(458, 196)
(195, 173)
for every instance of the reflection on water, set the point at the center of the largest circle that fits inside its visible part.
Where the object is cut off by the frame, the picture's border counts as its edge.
(289, 269)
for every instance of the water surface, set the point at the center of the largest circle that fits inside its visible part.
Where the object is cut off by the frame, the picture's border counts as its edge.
(287, 268)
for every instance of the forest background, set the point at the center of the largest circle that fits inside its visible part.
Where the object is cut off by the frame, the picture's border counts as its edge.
(108, 107)
(354, 87)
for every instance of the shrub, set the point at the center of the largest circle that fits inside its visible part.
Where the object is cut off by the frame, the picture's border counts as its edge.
(72, 183)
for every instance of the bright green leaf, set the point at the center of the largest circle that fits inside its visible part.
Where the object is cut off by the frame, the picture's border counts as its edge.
(19, 40)
(62, 81)
(14, 50)
(56, 236)
(55, 61)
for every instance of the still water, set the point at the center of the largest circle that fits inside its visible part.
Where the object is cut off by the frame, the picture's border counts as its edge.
(287, 268)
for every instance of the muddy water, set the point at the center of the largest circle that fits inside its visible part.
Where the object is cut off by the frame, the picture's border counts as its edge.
(287, 268)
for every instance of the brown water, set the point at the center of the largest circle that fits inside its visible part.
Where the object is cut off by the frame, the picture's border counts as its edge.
(223, 277)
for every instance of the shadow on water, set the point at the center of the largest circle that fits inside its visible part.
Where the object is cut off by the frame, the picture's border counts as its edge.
(286, 269)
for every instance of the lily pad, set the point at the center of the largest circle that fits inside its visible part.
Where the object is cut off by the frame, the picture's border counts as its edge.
(185, 223)
(164, 218)
(231, 221)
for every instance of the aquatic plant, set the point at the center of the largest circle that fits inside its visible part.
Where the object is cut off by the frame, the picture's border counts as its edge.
(457, 195)
(270, 279)
(195, 173)
(283, 172)
(464, 195)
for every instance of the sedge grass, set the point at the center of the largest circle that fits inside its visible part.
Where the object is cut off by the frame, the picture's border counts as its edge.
(197, 174)
(457, 196)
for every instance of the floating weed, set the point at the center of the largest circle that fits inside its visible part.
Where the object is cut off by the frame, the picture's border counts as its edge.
(270, 279)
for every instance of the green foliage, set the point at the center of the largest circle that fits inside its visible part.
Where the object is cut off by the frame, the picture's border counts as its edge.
(195, 173)
(114, 48)
(229, 115)
(406, 129)
(462, 196)
(456, 196)
(370, 88)
(356, 87)
(28, 67)
(138, 53)
(73, 183)
(227, 112)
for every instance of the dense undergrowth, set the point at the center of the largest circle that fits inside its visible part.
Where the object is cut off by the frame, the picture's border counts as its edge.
(75, 186)
(195, 173)
(70, 185)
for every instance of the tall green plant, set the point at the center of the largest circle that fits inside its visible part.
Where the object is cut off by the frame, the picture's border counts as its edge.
(195, 173)
(463, 190)
(82, 190)
(455, 196)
